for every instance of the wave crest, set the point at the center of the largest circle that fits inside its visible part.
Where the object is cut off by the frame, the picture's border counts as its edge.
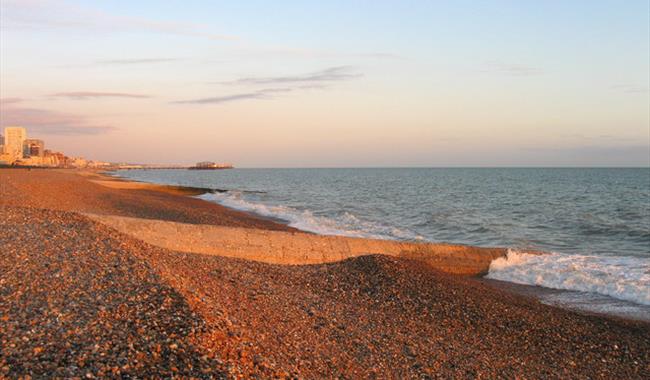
(624, 278)
(345, 224)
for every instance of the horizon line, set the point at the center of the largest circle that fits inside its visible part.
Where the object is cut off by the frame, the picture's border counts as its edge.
(429, 167)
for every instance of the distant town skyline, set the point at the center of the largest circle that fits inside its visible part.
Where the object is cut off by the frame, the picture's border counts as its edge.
(19, 149)
(335, 84)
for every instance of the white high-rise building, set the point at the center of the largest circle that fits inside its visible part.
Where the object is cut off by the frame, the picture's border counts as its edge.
(14, 139)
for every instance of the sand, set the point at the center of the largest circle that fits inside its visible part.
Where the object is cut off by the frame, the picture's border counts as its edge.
(78, 298)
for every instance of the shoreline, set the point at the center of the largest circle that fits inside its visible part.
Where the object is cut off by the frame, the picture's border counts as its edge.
(596, 304)
(391, 316)
(607, 306)
(190, 191)
(593, 304)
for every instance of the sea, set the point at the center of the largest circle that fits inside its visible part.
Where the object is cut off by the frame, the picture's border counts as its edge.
(593, 223)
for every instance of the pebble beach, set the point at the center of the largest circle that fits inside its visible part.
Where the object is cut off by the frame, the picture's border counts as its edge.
(80, 299)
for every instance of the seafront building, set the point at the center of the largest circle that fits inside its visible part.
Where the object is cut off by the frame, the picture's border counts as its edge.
(14, 139)
(17, 150)
(33, 148)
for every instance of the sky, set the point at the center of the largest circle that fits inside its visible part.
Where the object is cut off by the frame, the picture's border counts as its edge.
(331, 83)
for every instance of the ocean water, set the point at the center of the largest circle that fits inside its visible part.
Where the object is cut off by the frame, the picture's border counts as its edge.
(594, 222)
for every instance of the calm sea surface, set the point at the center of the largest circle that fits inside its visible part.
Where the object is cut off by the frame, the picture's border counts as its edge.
(596, 219)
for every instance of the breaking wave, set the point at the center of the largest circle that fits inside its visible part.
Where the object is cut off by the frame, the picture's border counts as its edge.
(345, 224)
(624, 278)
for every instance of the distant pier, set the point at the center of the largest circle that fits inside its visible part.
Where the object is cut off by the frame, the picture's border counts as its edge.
(206, 165)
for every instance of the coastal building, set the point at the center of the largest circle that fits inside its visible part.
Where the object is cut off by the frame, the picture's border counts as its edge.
(5, 159)
(33, 148)
(16, 149)
(78, 162)
(31, 161)
(56, 159)
(97, 164)
(14, 139)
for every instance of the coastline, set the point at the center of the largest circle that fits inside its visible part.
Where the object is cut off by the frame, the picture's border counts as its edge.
(392, 315)
(108, 180)
(592, 304)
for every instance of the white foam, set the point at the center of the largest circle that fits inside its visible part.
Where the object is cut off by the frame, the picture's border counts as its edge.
(624, 278)
(345, 225)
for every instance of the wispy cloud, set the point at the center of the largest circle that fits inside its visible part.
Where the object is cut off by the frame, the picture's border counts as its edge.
(56, 14)
(512, 69)
(331, 74)
(317, 80)
(630, 88)
(47, 122)
(266, 93)
(290, 83)
(83, 95)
